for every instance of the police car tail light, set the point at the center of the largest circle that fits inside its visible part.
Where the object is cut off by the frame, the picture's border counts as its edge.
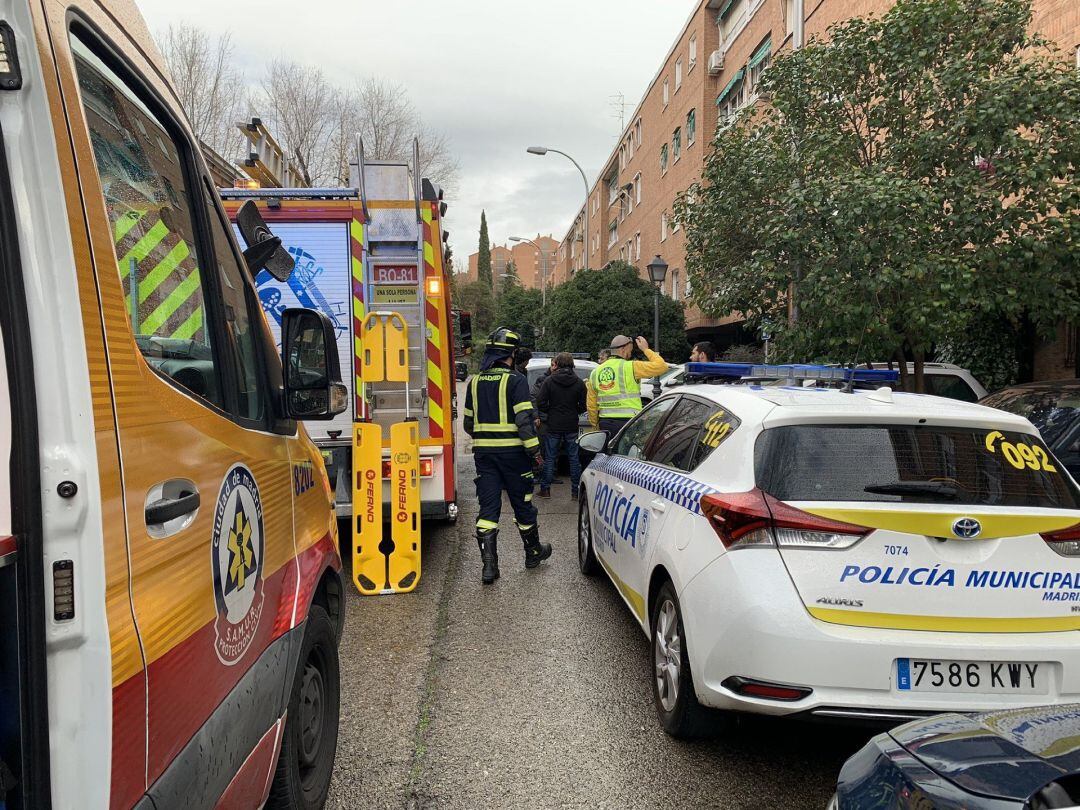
(794, 528)
(754, 518)
(740, 519)
(1065, 542)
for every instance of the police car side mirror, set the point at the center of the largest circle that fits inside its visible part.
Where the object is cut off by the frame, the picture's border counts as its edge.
(309, 357)
(264, 250)
(594, 442)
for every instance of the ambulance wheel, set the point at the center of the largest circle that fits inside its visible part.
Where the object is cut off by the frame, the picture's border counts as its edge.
(586, 557)
(302, 779)
(676, 703)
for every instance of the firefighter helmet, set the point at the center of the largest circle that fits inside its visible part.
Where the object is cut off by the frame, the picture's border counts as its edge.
(503, 339)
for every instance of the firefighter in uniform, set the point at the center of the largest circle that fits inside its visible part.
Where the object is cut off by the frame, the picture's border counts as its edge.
(613, 394)
(499, 417)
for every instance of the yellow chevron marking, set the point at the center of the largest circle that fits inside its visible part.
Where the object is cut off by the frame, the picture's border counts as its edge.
(183, 291)
(939, 524)
(141, 249)
(189, 327)
(162, 270)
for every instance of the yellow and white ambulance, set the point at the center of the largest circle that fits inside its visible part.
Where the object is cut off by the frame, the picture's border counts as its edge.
(170, 585)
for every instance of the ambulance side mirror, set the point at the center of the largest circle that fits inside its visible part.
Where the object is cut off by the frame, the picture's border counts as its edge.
(309, 357)
(264, 250)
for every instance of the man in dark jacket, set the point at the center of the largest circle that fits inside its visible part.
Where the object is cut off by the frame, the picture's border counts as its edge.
(562, 398)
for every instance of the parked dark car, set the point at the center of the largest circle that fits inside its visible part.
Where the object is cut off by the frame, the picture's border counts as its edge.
(1015, 759)
(1054, 408)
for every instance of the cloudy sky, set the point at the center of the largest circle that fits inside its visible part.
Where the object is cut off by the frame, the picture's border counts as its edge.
(495, 75)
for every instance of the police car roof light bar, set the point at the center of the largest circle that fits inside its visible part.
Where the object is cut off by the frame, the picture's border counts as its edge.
(795, 371)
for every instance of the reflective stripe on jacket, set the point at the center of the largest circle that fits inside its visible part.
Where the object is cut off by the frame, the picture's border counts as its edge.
(618, 393)
(498, 412)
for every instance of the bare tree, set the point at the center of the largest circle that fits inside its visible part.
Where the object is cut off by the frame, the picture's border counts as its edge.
(302, 109)
(210, 88)
(385, 117)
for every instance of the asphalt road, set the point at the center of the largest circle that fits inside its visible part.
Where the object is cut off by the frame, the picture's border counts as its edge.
(534, 692)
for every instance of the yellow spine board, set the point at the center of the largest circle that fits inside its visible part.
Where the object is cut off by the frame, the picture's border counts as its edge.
(404, 560)
(369, 563)
(397, 349)
(372, 367)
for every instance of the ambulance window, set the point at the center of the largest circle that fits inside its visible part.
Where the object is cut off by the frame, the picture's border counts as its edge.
(147, 200)
(239, 328)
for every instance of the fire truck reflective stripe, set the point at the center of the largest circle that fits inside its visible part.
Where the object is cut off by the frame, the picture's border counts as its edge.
(356, 247)
(124, 224)
(437, 426)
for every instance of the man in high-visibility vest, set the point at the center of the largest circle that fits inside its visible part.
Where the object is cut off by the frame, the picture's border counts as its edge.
(614, 390)
(499, 416)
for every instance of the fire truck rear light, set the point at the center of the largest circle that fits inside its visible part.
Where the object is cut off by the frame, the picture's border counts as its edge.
(1065, 542)
(434, 286)
(63, 572)
(755, 518)
(766, 690)
(249, 184)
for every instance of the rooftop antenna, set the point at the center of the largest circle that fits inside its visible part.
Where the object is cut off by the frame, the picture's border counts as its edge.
(617, 103)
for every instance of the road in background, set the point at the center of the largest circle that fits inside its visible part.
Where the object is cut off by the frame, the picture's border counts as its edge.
(534, 692)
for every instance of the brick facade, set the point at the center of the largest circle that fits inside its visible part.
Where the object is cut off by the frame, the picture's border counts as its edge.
(531, 263)
(629, 223)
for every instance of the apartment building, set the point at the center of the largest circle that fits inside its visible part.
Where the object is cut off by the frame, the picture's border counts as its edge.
(532, 262)
(710, 73)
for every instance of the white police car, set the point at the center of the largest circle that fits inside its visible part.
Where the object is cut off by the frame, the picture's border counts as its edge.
(808, 550)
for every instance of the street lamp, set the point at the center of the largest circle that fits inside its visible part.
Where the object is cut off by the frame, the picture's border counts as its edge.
(543, 150)
(657, 273)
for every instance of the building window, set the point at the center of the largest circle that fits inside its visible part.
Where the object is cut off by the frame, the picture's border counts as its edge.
(637, 188)
(637, 246)
(693, 53)
(667, 93)
(637, 131)
(663, 159)
(675, 284)
(686, 289)
(691, 127)
(678, 75)
(759, 62)
(612, 233)
(789, 16)
(612, 188)
(676, 143)
(732, 99)
(732, 17)
(663, 226)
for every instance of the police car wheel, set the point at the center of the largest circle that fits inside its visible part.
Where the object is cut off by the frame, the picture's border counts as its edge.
(676, 703)
(586, 558)
(308, 746)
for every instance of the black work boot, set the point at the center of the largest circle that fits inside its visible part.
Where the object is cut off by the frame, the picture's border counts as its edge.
(535, 551)
(489, 553)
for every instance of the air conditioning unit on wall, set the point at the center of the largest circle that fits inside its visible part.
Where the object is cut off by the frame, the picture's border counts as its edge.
(716, 62)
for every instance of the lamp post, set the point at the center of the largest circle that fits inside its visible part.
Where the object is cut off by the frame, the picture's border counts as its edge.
(543, 150)
(657, 273)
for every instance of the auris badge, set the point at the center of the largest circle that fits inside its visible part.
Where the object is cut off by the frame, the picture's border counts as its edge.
(966, 528)
(237, 562)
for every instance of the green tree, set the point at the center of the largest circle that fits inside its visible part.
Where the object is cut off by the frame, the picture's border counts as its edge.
(476, 299)
(520, 308)
(913, 175)
(483, 260)
(588, 310)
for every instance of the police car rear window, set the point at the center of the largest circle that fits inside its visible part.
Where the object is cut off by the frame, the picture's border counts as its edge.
(911, 464)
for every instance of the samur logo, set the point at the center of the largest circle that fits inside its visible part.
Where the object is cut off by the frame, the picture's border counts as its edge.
(237, 557)
(605, 378)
